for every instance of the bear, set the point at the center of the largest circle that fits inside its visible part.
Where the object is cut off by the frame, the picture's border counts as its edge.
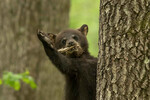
(68, 51)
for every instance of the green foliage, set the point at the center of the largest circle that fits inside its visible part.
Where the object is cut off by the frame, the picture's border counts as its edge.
(86, 12)
(13, 80)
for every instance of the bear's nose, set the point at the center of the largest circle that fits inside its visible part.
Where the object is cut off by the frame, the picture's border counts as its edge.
(71, 43)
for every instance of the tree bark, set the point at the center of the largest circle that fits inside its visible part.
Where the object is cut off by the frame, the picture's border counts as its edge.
(20, 49)
(123, 71)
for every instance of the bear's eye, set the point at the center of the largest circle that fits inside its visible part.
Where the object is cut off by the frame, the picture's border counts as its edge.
(63, 41)
(75, 37)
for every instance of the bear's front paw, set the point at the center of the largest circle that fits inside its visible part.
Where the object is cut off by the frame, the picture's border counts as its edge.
(44, 38)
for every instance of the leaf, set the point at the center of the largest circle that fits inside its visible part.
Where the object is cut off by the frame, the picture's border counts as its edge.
(0, 82)
(29, 80)
(33, 85)
(26, 80)
(16, 85)
(16, 77)
(27, 72)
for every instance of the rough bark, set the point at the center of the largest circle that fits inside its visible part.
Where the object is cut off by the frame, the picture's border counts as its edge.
(20, 49)
(124, 50)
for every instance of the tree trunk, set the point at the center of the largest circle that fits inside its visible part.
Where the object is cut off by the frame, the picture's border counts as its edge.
(123, 71)
(20, 48)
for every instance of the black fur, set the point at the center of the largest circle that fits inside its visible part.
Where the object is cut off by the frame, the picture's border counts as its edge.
(80, 71)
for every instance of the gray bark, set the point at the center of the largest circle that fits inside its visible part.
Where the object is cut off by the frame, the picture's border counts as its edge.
(20, 48)
(123, 71)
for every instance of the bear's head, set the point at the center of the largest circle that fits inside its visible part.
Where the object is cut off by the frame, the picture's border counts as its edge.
(71, 42)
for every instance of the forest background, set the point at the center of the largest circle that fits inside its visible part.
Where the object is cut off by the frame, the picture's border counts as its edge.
(22, 53)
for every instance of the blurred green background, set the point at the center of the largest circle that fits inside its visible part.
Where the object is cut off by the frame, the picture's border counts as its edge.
(86, 12)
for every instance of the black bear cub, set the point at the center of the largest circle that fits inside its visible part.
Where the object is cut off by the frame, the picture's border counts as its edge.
(68, 51)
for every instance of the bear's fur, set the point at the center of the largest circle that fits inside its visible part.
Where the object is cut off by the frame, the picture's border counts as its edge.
(68, 51)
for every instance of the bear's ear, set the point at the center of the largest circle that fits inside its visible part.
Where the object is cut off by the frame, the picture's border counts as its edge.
(52, 37)
(83, 29)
